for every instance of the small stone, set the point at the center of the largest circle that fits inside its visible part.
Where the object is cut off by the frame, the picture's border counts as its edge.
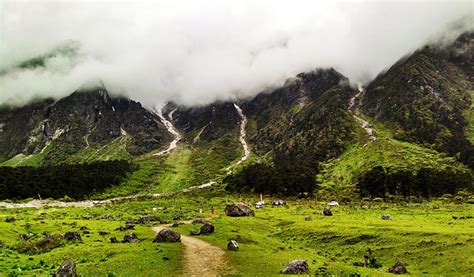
(67, 269)
(398, 268)
(296, 267)
(308, 218)
(10, 219)
(327, 212)
(386, 217)
(131, 237)
(72, 236)
(233, 245)
(114, 240)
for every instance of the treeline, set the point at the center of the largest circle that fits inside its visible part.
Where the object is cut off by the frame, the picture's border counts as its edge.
(280, 179)
(426, 182)
(56, 181)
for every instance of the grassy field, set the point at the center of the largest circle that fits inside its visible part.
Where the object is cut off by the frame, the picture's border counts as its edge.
(424, 235)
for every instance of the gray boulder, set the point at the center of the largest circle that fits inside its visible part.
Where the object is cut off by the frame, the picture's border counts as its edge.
(67, 269)
(131, 237)
(72, 236)
(200, 221)
(386, 217)
(232, 245)
(296, 267)
(167, 235)
(238, 209)
(398, 268)
(207, 229)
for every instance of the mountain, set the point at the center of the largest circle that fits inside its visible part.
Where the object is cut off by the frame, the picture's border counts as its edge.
(87, 124)
(409, 131)
(425, 98)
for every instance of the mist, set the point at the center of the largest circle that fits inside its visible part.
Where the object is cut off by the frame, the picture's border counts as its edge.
(197, 52)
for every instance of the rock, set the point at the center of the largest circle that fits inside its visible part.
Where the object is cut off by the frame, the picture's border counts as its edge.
(131, 221)
(87, 217)
(333, 204)
(67, 269)
(238, 209)
(308, 218)
(296, 267)
(386, 217)
(195, 233)
(149, 218)
(327, 212)
(232, 245)
(109, 216)
(278, 203)
(361, 264)
(103, 233)
(10, 219)
(207, 229)
(72, 236)
(259, 204)
(26, 236)
(131, 237)
(114, 240)
(167, 235)
(126, 227)
(398, 268)
(200, 221)
(83, 228)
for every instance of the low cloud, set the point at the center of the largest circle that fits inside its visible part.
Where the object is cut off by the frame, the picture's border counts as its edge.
(196, 52)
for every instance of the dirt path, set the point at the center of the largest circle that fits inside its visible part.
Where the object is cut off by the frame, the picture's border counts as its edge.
(201, 258)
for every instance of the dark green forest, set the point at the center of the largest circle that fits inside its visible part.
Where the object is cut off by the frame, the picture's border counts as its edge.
(56, 181)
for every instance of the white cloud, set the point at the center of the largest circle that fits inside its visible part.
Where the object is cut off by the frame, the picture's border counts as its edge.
(196, 52)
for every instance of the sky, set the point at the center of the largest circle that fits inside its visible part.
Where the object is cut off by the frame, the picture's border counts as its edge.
(199, 51)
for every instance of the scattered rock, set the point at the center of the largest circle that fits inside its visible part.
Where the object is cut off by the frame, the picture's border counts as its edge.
(87, 217)
(327, 212)
(114, 240)
(238, 209)
(131, 221)
(126, 227)
(131, 237)
(386, 217)
(72, 236)
(359, 264)
(200, 221)
(83, 228)
(207, 229)
(167, 235)
(296, 267)
(398, 268)
(278, 203)
(232, 245)
(308, 218)
(10, 219)
(194, 233)
(149, 218)
(259, 204)
(109, 216)
(26, 236)
(103, 233)
(333, 204)
(67, 269)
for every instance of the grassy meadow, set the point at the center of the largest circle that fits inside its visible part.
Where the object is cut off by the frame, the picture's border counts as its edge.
(423, 234)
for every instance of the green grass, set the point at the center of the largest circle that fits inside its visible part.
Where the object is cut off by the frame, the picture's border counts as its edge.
(424, 235)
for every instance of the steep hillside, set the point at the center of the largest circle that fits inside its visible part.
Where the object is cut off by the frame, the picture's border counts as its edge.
(425, 97)
(88, 124)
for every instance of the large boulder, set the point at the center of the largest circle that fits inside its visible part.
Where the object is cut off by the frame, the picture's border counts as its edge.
(207, 229)
(167, 235)
(238, 209)
(398, 268)
(131, 237)
(327, 212)
(232, 245)
(72, 236)
(67, 269)
(296, 267)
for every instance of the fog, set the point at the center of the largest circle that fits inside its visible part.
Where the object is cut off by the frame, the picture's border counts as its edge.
(196, 52)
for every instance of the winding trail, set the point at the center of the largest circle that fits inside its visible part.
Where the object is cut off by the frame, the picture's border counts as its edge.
(200, 257)
(169, 126)
(353, 110)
